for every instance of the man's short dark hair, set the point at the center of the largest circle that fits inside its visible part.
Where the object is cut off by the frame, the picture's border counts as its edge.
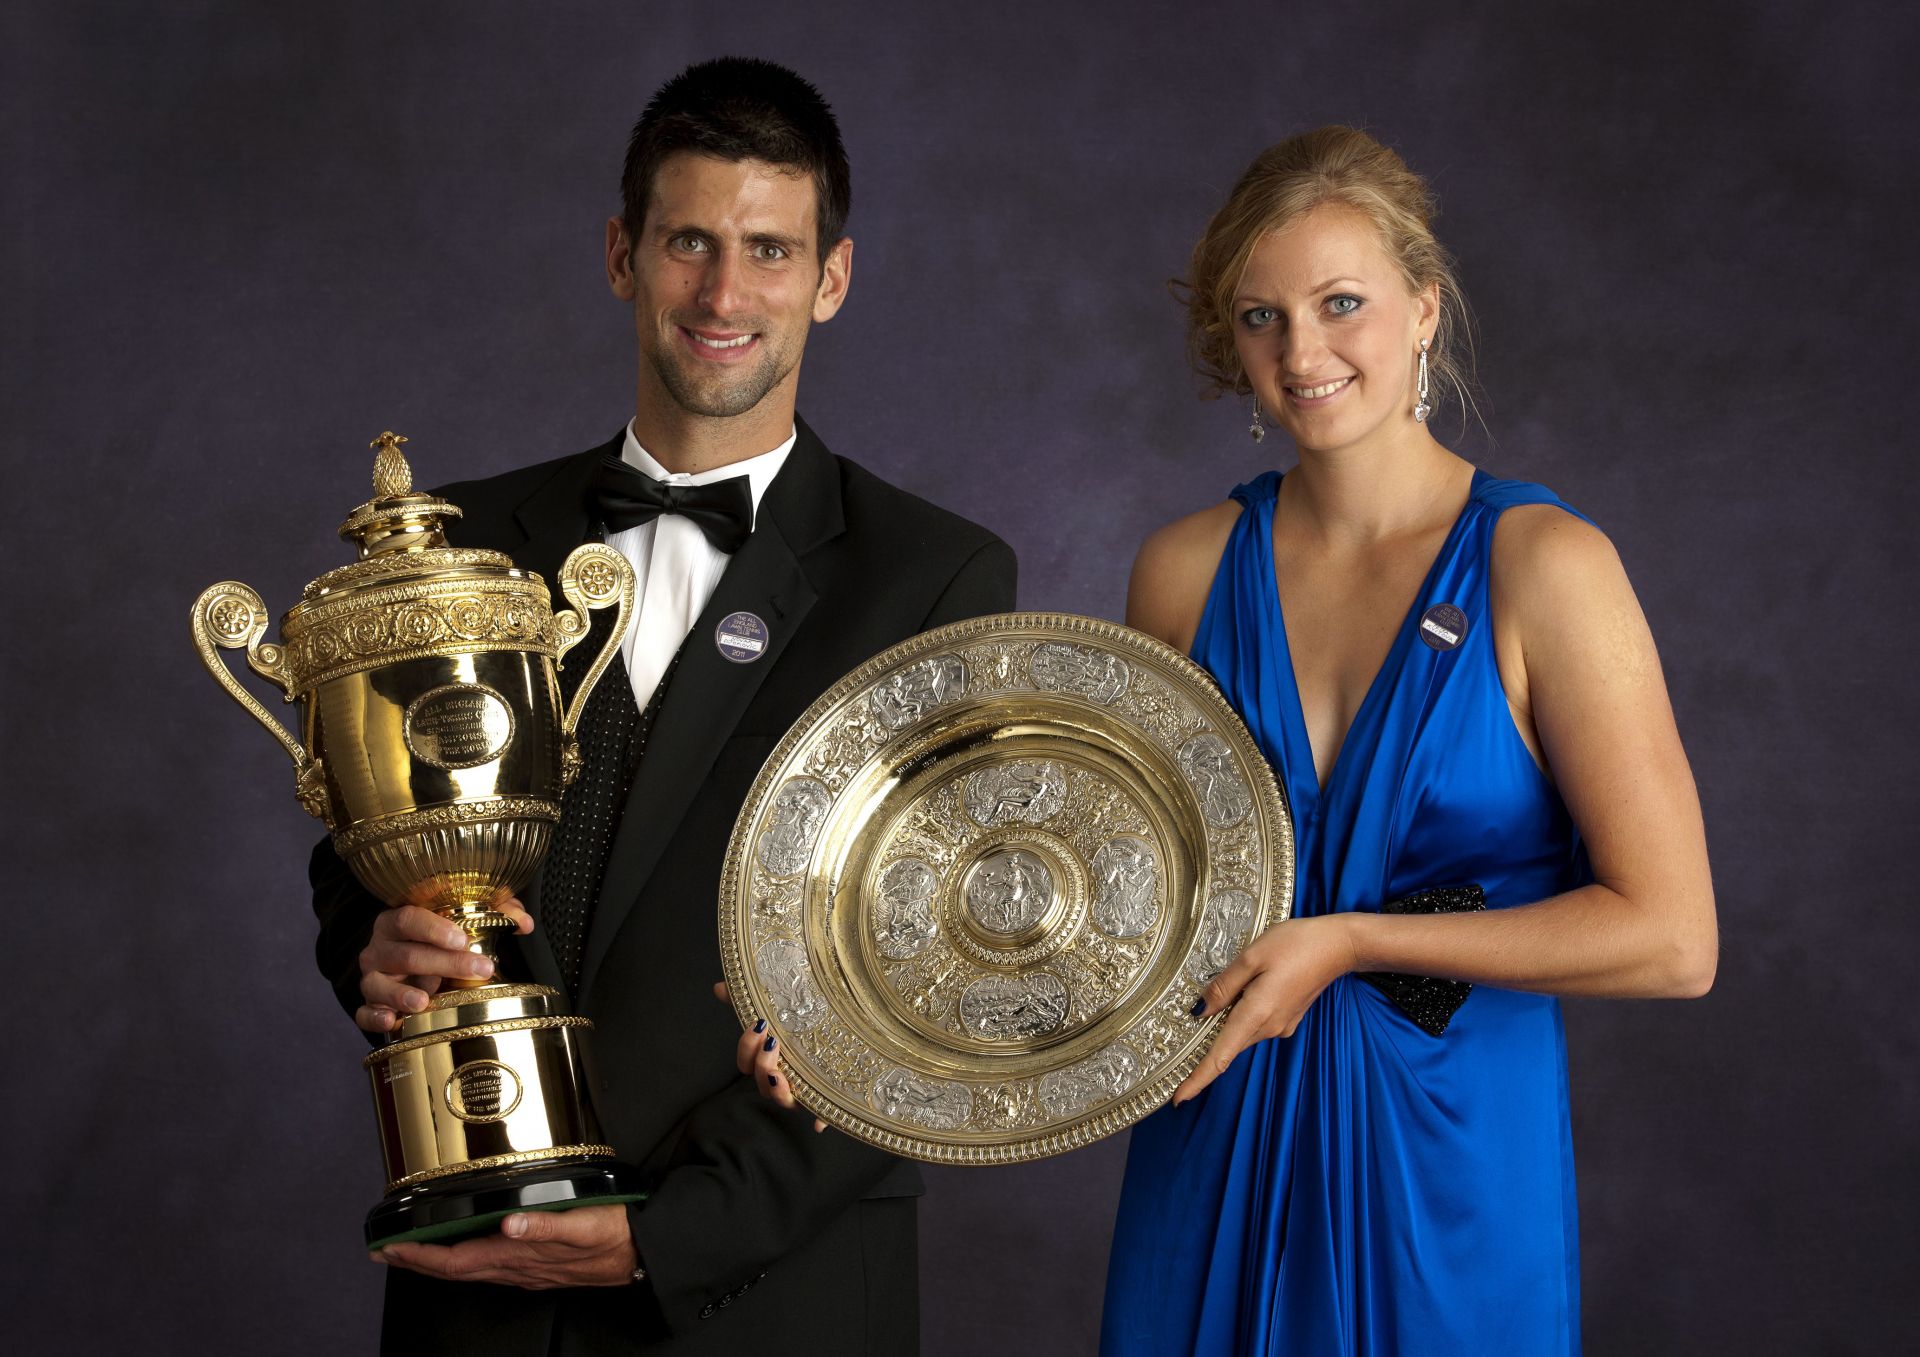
(740, 108)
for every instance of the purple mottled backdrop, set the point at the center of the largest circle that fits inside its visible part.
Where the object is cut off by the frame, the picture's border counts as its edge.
(242, 239)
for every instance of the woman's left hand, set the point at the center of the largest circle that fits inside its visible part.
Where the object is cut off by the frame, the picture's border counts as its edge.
(1268, 987)
(757, 1055)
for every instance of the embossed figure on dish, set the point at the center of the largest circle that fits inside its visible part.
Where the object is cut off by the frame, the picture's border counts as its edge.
(1094, 674)
(919, 688)
(903, 918)
(787, 978)
(933, 1103)
(1126, 887)
(1224, 929)
(1008, 891)
(794, 823)
(1014, 1007)
(1100, 1078)
(1208, 764)
(1028, 791)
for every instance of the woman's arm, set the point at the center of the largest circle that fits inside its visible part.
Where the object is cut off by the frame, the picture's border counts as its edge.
(1580, 669)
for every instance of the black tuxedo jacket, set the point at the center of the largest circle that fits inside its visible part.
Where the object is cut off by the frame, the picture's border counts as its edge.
(759, 1234)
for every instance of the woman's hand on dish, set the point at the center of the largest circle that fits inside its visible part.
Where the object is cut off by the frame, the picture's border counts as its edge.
(757, 1055)
(1268, 987)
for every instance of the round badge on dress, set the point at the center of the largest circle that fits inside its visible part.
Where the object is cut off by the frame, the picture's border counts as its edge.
(741, 637)
(1443, 626)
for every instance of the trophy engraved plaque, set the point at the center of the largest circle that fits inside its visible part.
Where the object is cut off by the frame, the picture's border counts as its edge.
(434, 748)
(978, 886)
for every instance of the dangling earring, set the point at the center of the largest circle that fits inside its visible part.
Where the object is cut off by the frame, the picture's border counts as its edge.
(1422, 410)
(1256, 430)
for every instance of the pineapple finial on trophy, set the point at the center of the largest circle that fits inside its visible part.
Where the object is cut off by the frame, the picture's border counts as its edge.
(392, 476)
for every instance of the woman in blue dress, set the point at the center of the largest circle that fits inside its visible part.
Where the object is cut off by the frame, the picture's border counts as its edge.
(1454, 680)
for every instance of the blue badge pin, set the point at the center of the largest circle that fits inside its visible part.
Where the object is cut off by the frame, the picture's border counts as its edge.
(1443, 626)
(741, 637)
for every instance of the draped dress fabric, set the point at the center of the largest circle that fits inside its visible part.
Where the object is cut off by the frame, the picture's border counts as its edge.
(1362, 1187)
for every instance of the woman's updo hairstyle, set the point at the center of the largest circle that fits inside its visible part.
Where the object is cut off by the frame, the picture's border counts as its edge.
(1284, 183)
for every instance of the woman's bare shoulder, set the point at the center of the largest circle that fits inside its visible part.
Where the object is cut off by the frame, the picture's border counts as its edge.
(1562, 603)
(1541, 551)
(1173, 571)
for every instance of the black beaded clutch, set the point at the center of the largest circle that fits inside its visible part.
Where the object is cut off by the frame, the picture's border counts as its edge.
(1429, 1001)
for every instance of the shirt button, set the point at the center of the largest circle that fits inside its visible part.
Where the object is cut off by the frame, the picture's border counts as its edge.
(707, 1312)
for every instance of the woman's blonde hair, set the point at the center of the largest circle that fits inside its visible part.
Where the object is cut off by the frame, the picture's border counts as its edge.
(1284, 183)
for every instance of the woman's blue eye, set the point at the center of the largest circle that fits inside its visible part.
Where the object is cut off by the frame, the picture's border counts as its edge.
(1258, 316)
(1343, 305)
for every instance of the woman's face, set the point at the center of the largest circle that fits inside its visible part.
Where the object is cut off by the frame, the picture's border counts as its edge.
(1327, 331)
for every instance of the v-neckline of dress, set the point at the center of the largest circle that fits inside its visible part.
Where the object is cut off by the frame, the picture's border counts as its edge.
(1299, 742)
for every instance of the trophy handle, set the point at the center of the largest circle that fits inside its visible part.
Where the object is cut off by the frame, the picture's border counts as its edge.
(592, 577)
(230, 615)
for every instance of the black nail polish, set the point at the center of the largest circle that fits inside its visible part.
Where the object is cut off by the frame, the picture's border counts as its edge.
(769, 1045)
(760, 1026)
(1199, 1007)
(773, 1079)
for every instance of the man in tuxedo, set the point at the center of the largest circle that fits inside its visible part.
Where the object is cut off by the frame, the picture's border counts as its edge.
(758, 1234)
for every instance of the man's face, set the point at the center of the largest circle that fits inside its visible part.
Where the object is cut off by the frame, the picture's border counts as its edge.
(724, 281)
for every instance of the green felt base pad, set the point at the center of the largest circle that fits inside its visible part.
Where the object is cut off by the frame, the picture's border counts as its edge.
(473, 1203)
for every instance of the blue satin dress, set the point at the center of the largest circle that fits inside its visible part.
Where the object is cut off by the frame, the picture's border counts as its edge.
(1362, 1187)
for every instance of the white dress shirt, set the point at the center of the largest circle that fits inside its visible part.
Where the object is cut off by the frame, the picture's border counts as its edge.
(675, 568)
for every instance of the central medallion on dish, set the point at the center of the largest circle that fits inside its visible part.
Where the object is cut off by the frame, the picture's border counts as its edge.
(1016, 896)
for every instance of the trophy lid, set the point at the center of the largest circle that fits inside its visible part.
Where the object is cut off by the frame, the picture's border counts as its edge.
(397, 518)
(400, 530)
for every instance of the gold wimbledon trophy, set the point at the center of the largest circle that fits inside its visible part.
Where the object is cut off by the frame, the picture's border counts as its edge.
(435, 749)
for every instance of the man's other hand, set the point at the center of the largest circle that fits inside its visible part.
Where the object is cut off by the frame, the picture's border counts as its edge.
(537, 1250)
(411, 952)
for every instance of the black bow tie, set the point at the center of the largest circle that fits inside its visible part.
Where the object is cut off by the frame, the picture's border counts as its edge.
(623, 497)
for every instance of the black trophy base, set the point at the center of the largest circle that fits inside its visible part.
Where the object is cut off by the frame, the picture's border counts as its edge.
(474, 1203)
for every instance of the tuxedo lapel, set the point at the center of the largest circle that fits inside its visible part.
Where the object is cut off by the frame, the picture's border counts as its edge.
(709, 693)
(554, 517)
(554, 521)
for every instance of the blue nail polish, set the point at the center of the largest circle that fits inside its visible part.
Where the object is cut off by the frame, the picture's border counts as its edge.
(760, 1026)
(769, 1045)
(1199, 1007)
(773, 1079)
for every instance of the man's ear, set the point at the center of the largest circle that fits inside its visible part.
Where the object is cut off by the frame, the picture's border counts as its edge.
(619, 260)
(836, 276)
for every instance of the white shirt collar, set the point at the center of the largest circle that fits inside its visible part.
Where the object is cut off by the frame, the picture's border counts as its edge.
(759, 470)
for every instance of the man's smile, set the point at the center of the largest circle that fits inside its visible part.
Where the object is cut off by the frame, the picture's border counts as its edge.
(717, 345)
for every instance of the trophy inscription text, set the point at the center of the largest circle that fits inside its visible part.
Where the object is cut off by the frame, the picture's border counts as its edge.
(482, 1091)
(459, 725)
